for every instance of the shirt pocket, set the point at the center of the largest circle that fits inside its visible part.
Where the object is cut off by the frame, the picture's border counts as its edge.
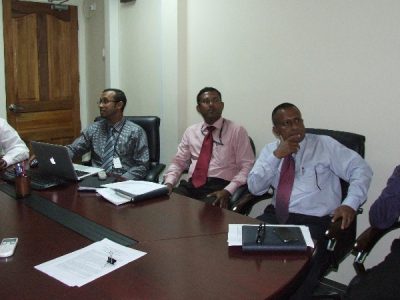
(313, 178)
(123, 147)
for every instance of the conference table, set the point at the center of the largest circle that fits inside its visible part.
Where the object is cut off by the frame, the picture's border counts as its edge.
(185, 240)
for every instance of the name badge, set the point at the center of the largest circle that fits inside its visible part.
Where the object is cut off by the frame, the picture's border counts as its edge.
(117, 163)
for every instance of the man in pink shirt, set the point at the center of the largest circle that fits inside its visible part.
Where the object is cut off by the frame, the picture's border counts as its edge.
(231, 159)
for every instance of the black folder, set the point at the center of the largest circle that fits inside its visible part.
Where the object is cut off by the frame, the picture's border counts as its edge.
(93, 182)
(273, 238)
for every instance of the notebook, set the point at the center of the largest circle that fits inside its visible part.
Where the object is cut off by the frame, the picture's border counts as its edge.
(54, 160)
(273, 238)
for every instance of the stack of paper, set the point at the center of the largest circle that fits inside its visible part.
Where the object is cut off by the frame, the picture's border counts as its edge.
(131, 191)
(84, 265)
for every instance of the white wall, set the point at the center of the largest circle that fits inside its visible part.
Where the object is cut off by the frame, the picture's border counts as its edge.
(338, 61)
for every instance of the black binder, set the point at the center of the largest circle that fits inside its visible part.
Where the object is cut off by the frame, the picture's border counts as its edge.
(140, 197)
(93, 182)
(273, 238)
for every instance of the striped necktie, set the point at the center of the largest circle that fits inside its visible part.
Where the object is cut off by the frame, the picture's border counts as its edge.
(109, 151)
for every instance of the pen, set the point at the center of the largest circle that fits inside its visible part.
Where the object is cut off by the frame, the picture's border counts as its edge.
(125, 194)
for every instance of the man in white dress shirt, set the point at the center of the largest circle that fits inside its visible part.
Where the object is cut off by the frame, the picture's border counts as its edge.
(13, 149)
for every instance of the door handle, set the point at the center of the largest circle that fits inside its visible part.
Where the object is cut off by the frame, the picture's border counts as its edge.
(15, 108)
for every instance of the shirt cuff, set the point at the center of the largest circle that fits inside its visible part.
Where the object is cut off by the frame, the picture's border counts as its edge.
(231, 187)
(352, 203)
(170, 180)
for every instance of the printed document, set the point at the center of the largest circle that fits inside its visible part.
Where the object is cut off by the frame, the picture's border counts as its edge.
(84, 265)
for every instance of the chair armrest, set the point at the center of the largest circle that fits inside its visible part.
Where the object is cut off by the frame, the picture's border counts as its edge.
(246, 201)
(365, 242)
(334, 232)
(241, 190)
(154, 172)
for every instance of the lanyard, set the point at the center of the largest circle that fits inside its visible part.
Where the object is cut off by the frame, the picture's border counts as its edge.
(116, 141)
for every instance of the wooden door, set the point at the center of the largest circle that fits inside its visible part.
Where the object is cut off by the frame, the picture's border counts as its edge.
(42, 79)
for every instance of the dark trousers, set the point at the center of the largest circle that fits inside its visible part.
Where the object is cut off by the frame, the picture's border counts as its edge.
(212, 184)
(379, 282)
(320, 260)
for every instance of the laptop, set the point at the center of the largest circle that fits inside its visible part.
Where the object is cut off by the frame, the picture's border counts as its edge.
(54, 160)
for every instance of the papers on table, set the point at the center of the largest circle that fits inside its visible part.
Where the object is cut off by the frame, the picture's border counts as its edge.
(235, 233)
(112, 196)
(84, 265)
(131, 190)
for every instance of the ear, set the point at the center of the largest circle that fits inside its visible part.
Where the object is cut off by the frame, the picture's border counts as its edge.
(120, 104)
(276, 132)
(198, 108)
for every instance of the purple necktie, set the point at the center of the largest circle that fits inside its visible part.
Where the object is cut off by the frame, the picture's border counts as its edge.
(200, 172)
(284, 189)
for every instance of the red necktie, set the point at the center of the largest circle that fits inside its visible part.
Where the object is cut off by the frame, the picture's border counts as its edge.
(284, 189)
(200, 172)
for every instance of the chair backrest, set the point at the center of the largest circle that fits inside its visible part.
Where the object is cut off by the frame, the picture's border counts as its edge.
(351, 140)
(151, 125)
(253, 147)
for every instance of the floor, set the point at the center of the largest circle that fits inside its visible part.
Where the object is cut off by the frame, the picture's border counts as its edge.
(330, 288)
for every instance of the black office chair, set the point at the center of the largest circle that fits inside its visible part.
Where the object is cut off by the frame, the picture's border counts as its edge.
(242, 193)
(365, 243)
(340, 241)
(151, 125)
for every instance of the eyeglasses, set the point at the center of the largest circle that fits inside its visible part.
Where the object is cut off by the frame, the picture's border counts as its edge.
(209, 101)
(105, 101)
(290, 123)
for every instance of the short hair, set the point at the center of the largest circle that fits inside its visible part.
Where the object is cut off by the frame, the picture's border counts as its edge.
(119, 95)
(284, 105)
(208, 89)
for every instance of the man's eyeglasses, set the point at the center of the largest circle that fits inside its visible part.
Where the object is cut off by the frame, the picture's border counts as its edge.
(209, 101)
(105, 101)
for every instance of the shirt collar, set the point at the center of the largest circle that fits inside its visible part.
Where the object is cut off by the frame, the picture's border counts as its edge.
(217, 124)
(118, 126)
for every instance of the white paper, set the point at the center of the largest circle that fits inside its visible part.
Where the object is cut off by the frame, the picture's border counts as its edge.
(235, 233)
(135, 187)
(84, 265)
(112, 196)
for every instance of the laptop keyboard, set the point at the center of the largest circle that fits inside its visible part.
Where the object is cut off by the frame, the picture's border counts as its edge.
(38, 181)
(81, 173)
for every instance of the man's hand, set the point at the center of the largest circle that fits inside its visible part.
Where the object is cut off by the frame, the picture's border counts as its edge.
(346, 213)
(222, 198)
(288, 146)
(3, 164)
(170, 187)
